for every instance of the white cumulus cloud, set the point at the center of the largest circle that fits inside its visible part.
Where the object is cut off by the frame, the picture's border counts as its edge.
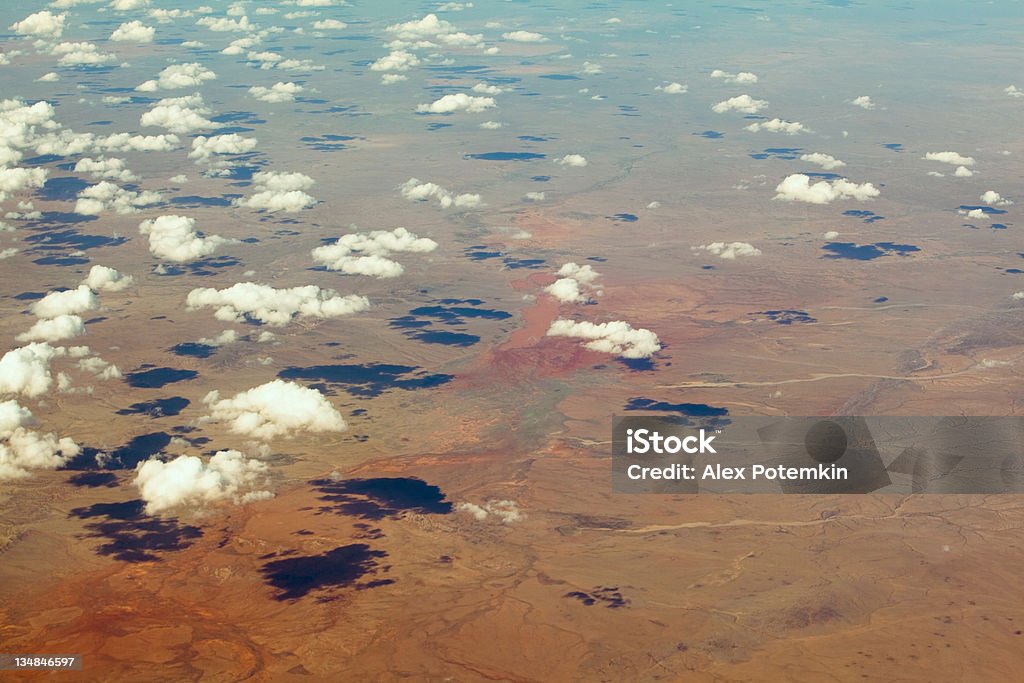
(455, 102)
(798, 188)
(826, 161)
(744, 104)
(617, 337)
(275, 409)
(133, 32)
(367, 253)
(729, 250)
(174, 238)
(279, 191)
(189, 481)
(275, 307)
(414, 191)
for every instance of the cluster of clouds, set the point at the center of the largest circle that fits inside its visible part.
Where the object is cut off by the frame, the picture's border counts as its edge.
(108, 196)
(367, 253)
(23, 449)
(277, 93)
(455, 102)
(778, 126)
(430, 33)
(505, 511)
(743, 77)
(617, 337)
(728, 250)
(673, 89)
(415, 191)
(189, 481)
(180, 115)
(574, 160)
(174, 238)
(864, 102)
(575, 284)
(106, 168)
(133, 32)
(271, 306)
(962, 163)
(745, 104)
(275, 409)
(799, 188)
(826, 161)
(993, 198)
(177, 76)
(208, 150)
(279, 191)
(59, 315)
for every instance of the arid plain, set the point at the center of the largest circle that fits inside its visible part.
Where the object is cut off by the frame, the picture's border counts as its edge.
(461, 524)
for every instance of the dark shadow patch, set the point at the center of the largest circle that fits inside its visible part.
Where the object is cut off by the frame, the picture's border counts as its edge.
(866, 252)
(296, 577)
(710, 134)
(369, 379)
(608, 596)
(125, 457)
(381, 497)
(130, 535)
(786, 153)
(94, 480)
(624, 218)
(506, 156)
(158, 377)
(687, 409)
(786, 316)
(160, 407)
(193, 350)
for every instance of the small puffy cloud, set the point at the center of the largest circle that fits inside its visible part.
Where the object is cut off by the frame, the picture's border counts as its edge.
(223, 339)
(174, 238)
(673, 88)
(23, 450)
(1013, 91)
(49, 77)
(993, 198)
(535, 196)
(133, 32)
(106, 279)
(179, 114)
(826, 161)
(524, 37)
(798, 188)
(13, 180)
(455, 102)
(952, 158)
(973, 214)
(127, 5)
(778, 126)
(743, 77)
(26, 370)
(279, 92)
(54, 329)
(591, 69)
(396, 60)
(864, 102)
(729, 250)
(831, 235)
(125, 142)
(963, 172)
(177, 76)
(329, 25)
(745, 104)
(224, 24)
(391, 79)
(106, 168)
(429, 32)
(43, 24)
(106, 196)
(69, 302)
(574, 285)
(271, 306)
(189, 481)
(491, 125)
(367, 253)
(414, 191)
(275, 409)
(488, 89)
(576, 160)
(81, 54)
(616, 337)
(279, 191)
(506, 511)
(204, 149)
